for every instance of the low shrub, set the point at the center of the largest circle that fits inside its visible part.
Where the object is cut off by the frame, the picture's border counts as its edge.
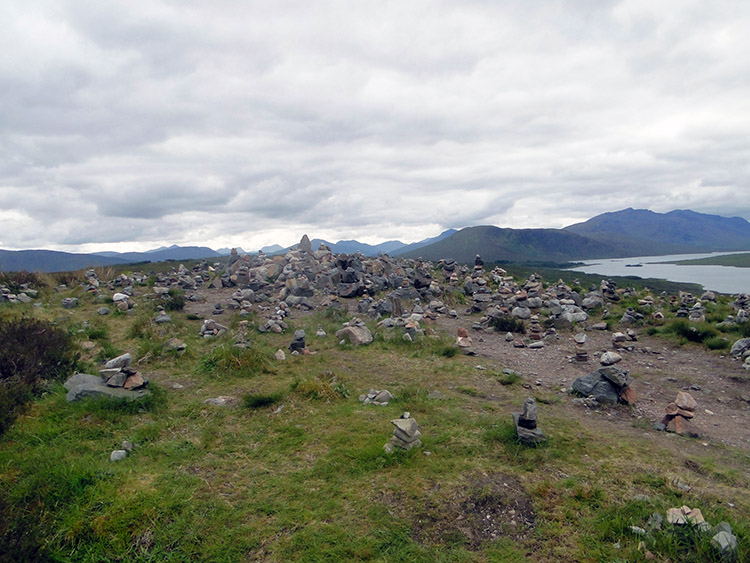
(174, 300)
(717, 343)
(258, 400)
(508, 324)
(693, 332)
(33, 352)
(326, 387)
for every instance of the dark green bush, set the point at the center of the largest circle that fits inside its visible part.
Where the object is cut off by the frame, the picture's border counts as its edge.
(174, 300)
(693, 332)
(16, 280)
(508, 324)
(33, 352)
(258, 400)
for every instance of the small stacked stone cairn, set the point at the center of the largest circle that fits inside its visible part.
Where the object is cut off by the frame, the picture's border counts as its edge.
(535, 328)
(211, 328)
(463, 340)
(406, 435)
(582, 355)
(375, 397)
(678, 416)
(298, 344)
(117, 373)
(608, 385)
(526, 424)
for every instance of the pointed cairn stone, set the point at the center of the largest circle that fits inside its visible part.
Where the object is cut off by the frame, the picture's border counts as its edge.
(406, 435)
(526, 424)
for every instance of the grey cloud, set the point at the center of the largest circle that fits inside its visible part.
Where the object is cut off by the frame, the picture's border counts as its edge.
(183, 122)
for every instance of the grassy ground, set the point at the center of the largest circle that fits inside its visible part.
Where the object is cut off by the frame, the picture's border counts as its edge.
(295, 469)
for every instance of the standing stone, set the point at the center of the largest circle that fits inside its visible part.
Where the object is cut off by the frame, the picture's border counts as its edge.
(298, 344)
(526, 424)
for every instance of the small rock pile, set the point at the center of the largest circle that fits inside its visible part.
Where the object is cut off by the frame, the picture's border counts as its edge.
(298, 344)
(375, 397)
(678, 415)
(406, 435)
(526, 424)
(607, 385)
(741, 351)
(210, 329)
(117, 373)
(581, 354)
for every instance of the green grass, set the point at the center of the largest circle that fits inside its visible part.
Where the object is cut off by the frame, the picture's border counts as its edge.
(312, 482)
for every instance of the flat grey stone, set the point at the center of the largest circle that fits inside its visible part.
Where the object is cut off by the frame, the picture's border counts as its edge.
(122, 361)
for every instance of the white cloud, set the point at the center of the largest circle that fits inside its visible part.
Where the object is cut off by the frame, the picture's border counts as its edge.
(162, 122)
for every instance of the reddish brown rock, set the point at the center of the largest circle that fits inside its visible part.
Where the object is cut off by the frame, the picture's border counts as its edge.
(684, 427)
(462, 332)
(685, 401)
(628, 396)
(671, 409)
(134, 381)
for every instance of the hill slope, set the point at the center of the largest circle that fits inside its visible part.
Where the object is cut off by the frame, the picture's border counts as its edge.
(521, 245)
(51, 261)
(640, 231)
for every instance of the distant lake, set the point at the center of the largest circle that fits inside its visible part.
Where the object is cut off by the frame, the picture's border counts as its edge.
(724, 279)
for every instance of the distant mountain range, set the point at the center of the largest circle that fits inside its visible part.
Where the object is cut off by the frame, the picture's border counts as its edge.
(629, 232)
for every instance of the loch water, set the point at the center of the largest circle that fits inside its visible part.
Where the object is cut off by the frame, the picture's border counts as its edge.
(724, 279)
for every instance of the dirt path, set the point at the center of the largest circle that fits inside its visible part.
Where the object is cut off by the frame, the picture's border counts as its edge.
(659, 369)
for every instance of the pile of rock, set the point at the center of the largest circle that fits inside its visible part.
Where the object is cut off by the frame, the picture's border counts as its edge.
(581, 354)
(118, 373)
(375, 397)
(526, 424)
(406, 435)
(463, 340)
(298, 344)
(123, 300)
(678, 416)
(607, 385)
(741, 351)
(210, 329)
(26, 295)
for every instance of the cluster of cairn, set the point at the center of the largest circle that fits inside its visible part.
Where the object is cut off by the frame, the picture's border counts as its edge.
(678, 416)
(24, 295)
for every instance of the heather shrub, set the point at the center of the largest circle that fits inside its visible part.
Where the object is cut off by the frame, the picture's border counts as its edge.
(33, 352)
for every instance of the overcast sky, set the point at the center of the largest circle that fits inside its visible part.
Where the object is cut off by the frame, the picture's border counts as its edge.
(125, 125)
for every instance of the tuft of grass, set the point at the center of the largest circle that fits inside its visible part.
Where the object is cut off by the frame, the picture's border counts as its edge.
(717, 343)
(692, 332)
(326, 387)
(508, 378)
(228, 360)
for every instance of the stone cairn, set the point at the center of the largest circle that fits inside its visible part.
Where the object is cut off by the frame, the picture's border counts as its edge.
(406, 435)
(581, 355)
(117, 373)
(376, 397)
(526, 424)
(678, 415)
(607, 385)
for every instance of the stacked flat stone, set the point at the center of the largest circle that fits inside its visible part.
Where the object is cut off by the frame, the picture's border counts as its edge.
(580, 340)
(526, 424)
(117, 373)
(406, 434)
(678, 416)
(298, 344)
